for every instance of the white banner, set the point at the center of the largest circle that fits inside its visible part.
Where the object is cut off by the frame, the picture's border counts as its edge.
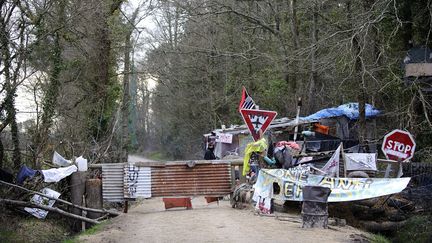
(291, 183)
(360, 161)
(224, 138)
(44, 201)
(332, 166)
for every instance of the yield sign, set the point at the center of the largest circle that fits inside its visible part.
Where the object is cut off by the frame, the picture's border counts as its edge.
(258, 121)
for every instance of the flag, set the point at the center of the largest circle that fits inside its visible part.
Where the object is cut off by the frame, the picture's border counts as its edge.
(331, 168)
(246, 101)
(360, 161)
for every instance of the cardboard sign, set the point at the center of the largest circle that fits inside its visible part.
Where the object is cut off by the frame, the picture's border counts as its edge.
(258, 121)
(224, 137)
(398, 145)
(44, 201)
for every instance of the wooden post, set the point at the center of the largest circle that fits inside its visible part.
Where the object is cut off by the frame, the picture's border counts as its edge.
(126, 205)
(344, 162)
(77, 184)
(400, 172)
(84, 213)
(94, 196)
(299, 104)
(388, 169)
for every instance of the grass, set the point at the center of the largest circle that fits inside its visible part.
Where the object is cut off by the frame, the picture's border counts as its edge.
(417, 229)
(93, 230)
(7, 236)
(379, 239)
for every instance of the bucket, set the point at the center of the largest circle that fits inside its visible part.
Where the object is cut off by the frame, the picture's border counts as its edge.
(315, 207)
(81, 163)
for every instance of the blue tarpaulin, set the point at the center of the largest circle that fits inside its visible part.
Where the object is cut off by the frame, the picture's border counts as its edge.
(349, 110)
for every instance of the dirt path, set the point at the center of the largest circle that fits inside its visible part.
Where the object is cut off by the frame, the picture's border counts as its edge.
(150, 222)
(133, 158)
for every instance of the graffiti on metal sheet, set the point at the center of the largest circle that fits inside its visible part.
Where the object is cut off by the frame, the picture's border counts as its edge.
(292, 181)
(131, 180)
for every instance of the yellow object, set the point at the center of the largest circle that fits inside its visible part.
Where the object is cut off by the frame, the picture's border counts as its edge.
(258, 146)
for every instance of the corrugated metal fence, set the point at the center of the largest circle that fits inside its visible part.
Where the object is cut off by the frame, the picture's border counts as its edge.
(128, 181)
(202, 179)
(112, 182)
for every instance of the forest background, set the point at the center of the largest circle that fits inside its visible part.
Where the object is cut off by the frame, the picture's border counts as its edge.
(89, 68)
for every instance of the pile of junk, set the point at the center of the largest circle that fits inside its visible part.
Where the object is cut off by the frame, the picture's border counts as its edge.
(317, 162)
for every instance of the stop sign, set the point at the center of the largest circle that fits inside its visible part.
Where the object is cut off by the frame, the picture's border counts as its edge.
(398, 144)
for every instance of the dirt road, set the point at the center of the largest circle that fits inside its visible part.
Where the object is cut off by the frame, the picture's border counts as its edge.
(150, 222)
(133, 158)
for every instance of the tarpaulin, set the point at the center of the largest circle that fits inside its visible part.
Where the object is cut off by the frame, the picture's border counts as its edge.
(44, 201)
(292, 181)
(258, 146)
(55, 175)
(350, 110)
(24, 173)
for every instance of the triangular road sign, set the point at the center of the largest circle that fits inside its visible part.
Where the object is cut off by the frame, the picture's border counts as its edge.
(258, 120)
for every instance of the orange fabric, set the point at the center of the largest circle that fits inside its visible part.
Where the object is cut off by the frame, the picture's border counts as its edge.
(321, 128)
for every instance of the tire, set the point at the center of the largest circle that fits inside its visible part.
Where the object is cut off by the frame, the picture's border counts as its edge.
(358, 174)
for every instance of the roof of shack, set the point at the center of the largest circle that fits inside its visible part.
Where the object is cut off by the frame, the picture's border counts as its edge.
(349, 110)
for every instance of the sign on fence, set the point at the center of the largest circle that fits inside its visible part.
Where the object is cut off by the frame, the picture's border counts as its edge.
(137, 181)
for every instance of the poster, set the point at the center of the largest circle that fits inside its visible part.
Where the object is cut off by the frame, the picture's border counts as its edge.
(360, 161)
(44, 201)
(224, 138)
(291, 182)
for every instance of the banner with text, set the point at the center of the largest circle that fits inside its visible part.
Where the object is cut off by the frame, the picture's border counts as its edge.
(292, 181)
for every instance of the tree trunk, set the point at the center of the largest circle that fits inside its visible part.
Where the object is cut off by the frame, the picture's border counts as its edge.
(1, 153)
(49, 102)
(295, 38)
(125, 103)
(314, 74)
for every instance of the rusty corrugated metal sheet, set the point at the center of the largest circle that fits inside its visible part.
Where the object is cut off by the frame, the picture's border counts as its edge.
(112, 182)
(202, 179)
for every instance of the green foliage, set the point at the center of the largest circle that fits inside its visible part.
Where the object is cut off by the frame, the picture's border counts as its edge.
(418, 229)
(379, 239)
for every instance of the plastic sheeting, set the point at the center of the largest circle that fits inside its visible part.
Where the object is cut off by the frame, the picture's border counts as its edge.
(59, 160)
(349, 110)
(55, 175)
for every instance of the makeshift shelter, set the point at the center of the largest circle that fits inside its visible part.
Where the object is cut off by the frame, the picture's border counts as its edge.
(330, 127)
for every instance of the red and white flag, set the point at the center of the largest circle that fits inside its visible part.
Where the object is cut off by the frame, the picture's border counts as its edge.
(331, 168)
(246, 101)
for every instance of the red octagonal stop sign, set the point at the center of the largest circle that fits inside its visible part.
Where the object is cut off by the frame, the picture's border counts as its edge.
(398, 144)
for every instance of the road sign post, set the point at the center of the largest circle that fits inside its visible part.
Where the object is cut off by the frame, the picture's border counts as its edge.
(398, 145)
